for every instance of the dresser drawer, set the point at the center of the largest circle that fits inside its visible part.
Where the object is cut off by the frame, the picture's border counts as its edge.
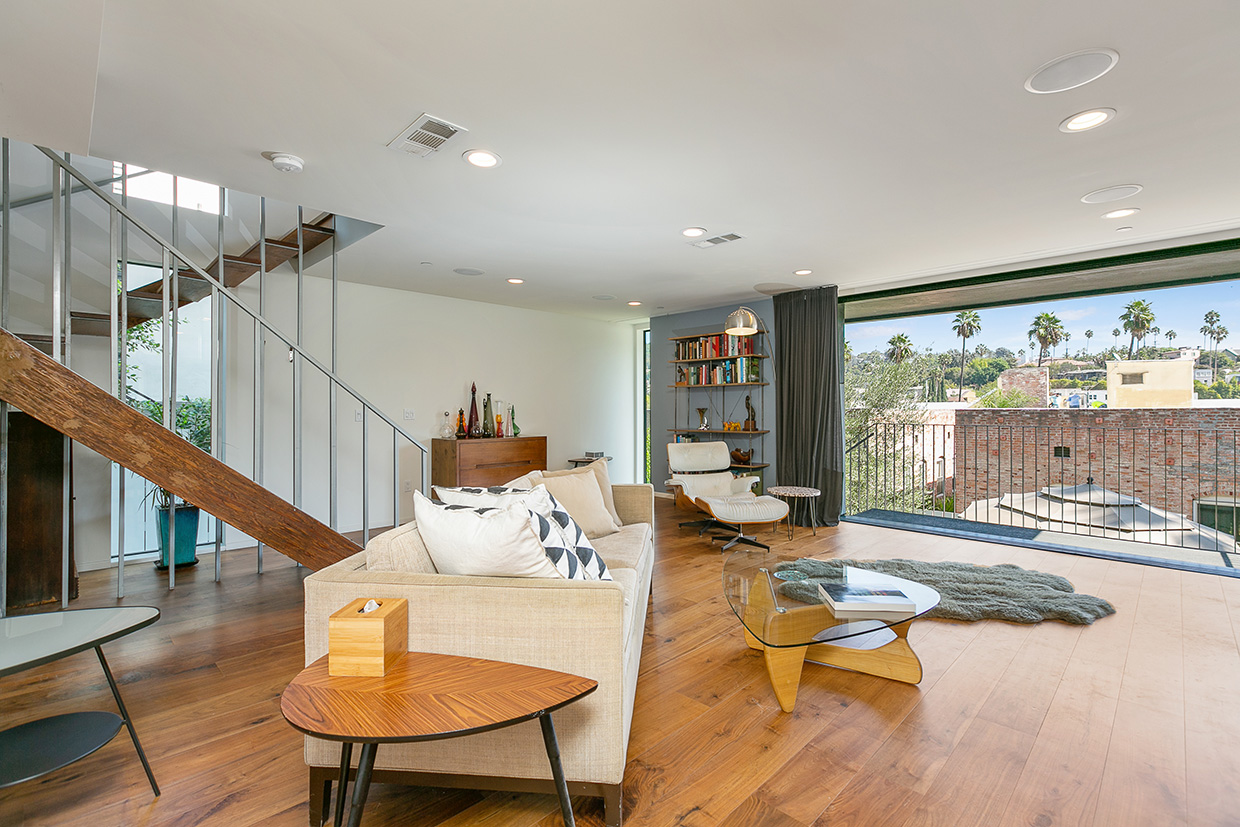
(484, 462)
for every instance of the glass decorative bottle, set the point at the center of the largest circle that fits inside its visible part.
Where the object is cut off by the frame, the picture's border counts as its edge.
(512, 420)
(461, 432)
(446, 429)
(488, 418)
(475, 429)
(499, 424)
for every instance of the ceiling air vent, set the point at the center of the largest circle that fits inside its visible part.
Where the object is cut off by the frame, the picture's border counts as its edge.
(425, 135)
(716, 241)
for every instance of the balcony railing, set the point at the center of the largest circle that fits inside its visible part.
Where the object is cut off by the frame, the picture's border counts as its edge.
(1166, 486)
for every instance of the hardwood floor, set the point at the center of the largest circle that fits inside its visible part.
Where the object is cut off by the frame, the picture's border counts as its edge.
(1131, 721)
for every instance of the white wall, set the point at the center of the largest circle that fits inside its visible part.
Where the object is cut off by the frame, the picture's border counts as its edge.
(573, 380)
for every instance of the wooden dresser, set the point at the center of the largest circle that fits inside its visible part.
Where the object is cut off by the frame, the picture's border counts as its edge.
(484, 462)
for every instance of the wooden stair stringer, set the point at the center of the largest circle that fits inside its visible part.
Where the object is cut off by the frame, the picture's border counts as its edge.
(61, 399)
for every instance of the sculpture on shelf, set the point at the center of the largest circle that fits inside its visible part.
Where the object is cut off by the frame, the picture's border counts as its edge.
(488, 419)
(703, 422)
(512, 420)
(751, 423)
(461, 432)
(475, 430)
(740, 457)
(446, 431)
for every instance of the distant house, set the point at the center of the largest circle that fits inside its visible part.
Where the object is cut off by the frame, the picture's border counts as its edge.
(1150, 383)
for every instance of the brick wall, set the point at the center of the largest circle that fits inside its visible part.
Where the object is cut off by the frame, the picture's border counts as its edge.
(1036, 382)
(1168, 457)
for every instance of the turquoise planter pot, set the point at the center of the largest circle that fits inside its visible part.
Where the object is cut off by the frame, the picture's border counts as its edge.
(187, 535)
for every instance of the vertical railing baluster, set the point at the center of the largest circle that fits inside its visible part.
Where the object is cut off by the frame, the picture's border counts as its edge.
(333, 423)
(297, 415)
(395, 479)
(365, 475)
(4, 406)
(218, 362)
(166, 396)
(122, 291)
(260, 359)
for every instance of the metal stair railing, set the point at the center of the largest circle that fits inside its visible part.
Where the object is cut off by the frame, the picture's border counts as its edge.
(120, 219)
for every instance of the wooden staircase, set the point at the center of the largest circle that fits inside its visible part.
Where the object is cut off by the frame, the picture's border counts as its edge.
(147, 302)
(58, 397)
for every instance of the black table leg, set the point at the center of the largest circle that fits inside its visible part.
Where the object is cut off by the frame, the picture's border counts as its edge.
(116, 693)
(361, 786)
(557, 771)
(342, 786)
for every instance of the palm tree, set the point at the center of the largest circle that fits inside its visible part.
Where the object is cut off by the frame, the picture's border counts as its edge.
(1115, 333)
(1220, 333)
(1138, 318)
(1067, 337)
(966, 325)
(900, 348)
(1170, 338)
(1155, 331)
(1089, 334)
(1021, 354)
(1210, 331)
(1048, 330)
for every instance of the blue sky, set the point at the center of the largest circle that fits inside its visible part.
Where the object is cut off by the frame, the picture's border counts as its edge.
(1176, 308)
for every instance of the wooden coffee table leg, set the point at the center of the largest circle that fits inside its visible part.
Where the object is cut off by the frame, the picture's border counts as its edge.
(783, 666)
(557, 771)
(361, 786)
(342, 786)
(895, 660)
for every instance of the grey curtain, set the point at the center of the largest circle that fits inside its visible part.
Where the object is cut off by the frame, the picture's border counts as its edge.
(809, 409)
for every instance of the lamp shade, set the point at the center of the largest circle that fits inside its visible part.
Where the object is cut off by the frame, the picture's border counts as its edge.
(741, 322)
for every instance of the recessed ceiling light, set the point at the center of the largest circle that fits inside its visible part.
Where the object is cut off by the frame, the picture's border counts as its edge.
(1071, 71)
(1082, 121)
(604, 297)
(801, 272)
(1118, 193)
(482, 158)
(1124, 213)
(634, 304)
(693, 232)
(516, 281)
(1122, 229)
(468, 271)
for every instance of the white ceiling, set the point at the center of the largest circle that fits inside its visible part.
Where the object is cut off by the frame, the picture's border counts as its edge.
(877, 143)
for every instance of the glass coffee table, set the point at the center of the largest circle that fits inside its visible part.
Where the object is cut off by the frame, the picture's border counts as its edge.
(789, 632)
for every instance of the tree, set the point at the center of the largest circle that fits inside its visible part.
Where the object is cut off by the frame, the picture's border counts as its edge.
(1170, 338)
(1220, 333)
(1067, 337)
(900, 347)
(1155, 331)
(1138, 318)
(1213, 333)
(966, 325)
(1115, 333)
(1048, 331)
(1089, 334)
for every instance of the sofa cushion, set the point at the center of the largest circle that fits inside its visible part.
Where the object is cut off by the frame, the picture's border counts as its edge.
(598, 469)
(400, 549)
(580, 496)
(625, 548)
(498, 542)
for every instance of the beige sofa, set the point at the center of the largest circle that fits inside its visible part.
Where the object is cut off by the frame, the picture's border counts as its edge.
(588, 628)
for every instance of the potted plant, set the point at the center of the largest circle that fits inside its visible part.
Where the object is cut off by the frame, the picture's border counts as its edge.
(193, 423)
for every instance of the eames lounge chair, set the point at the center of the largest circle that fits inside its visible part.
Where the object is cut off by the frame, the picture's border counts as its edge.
(703, 483)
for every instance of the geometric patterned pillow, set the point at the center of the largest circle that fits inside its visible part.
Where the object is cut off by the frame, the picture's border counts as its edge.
(576, 540)
(563, 541)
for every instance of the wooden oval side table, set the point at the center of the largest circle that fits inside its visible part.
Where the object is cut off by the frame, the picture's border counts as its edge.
(426, 697)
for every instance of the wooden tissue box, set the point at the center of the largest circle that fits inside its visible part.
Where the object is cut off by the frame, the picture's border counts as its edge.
(366, 645)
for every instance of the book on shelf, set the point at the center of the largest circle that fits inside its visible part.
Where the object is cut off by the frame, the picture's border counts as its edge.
(731, 372)
(714, 347)
(855, 602)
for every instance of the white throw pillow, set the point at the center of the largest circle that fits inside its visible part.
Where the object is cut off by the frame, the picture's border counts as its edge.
(556, 529)
(496, 542)
(580, 496)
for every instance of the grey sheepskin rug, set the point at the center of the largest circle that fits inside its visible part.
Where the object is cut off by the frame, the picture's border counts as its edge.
(967, 591)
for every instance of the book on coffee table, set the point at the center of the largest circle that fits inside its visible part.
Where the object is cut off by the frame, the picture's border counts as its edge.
(855, 602)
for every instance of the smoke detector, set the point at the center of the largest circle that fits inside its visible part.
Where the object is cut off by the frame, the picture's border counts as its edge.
(425, 135)
(285, 162)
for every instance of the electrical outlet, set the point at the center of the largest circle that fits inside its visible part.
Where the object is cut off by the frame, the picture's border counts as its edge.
(357, 415)
(408, 413)
(408, 486)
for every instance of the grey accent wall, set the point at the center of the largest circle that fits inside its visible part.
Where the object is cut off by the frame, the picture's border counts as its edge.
(662, 396)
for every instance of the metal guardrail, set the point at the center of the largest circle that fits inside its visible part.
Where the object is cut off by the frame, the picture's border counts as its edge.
(1166, 486)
